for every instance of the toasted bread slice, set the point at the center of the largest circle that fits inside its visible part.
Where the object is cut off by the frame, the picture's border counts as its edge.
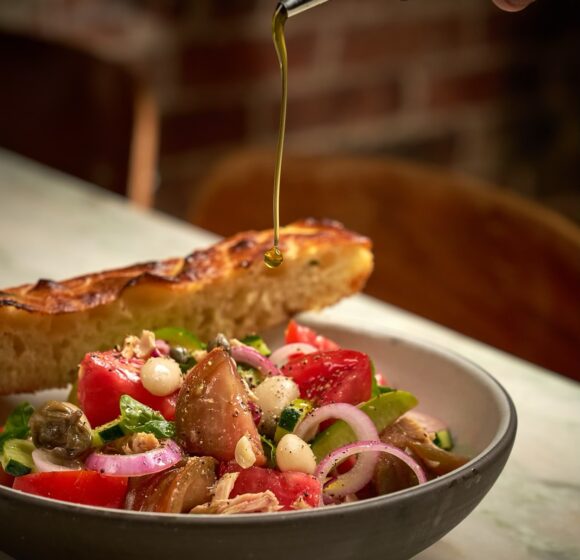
(47, 327)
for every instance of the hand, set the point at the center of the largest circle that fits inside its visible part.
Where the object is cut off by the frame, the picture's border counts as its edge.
(512, 5)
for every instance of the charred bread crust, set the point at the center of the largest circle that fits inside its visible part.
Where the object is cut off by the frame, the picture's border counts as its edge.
(229, 256)
(46, 328)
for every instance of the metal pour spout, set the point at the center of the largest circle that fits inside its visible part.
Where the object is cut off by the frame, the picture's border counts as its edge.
(294, 7)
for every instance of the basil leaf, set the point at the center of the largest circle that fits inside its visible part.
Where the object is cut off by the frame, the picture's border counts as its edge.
(269, 450)
(256, 342)
(137, 417)
(16, 426)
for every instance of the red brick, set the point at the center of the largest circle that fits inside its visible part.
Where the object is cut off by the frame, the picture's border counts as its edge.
(341, 105)
(202, 128)
(391, 40)
(475, 87)
(238, 61)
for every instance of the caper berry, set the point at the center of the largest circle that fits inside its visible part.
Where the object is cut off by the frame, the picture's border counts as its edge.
(62, 428)
(219, 341)
(180, 354)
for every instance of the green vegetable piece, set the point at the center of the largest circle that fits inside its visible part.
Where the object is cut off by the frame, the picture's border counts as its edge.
(17, 457)
(250, 375)
(137, 417)
(269, 451)
(73, 397)
(290, 416)
(383, 390)
(443, 440)
(175, 336)
(107, 432)
(256, 342)
(16, 426)
(382, 410)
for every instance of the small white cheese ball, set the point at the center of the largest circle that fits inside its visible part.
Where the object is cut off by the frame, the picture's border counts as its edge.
(294, 454)
(274, 394)
(161, 376)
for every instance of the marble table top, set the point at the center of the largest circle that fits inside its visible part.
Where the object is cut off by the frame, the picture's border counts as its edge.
(54, 226)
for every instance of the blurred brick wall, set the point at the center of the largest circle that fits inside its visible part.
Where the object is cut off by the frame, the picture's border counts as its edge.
(452, 82)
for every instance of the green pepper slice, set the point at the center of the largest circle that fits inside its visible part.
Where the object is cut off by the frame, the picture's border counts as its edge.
(382, 410)
(176, 336)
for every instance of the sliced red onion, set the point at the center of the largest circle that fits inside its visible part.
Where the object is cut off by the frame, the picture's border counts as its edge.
(250, 356)
(140, 464)
(44, 461)
(284, 354)
(161, 349)
(360, 475)
(361, 424)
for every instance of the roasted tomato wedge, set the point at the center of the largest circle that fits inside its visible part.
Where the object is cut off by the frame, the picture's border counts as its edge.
(343, 376)
(212, 411)
(176, 490)
(299, 333)
(104, 377)
(293, 489)
(80, 487)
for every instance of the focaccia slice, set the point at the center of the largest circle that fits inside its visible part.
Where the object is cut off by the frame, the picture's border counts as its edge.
(47, 327)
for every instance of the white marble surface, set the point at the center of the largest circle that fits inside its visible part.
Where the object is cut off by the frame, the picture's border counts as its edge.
(54, 226)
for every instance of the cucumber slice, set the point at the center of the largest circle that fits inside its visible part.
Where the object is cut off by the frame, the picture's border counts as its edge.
(382, 410)
(17, 457)
(107, 432)
(290, 417)
(443, 440)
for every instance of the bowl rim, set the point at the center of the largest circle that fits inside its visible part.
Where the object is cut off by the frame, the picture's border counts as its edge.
(503, 438)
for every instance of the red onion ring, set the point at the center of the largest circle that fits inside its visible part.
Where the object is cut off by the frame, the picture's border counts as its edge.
(45, 462)
(282, 355)
(248, 355)
(140, 464)
(355, 480)
(361, 424)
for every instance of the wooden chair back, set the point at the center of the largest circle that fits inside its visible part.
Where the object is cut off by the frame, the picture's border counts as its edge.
(78, 112)
(453, 249)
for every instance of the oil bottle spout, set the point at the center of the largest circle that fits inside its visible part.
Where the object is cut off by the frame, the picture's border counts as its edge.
(294, 7)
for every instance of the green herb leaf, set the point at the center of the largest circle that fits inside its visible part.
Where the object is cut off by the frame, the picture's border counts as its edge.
(269, 450)
(16, 426)
(137, 417)
(256, 342)
(250, 375)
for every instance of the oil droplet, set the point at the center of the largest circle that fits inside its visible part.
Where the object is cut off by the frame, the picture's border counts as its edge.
(273, 257)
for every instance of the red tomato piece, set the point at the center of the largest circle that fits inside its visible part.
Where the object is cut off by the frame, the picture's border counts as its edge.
(339, 376)
(105, 376)
(299, 333)
(80, 487)
(288, 487)
(5, 478)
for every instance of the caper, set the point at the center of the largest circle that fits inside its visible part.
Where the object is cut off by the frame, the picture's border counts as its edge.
(62, 428)
(180, 354)
(219, 341)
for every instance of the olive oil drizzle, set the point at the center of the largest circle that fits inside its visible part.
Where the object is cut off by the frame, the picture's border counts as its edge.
(273, 257)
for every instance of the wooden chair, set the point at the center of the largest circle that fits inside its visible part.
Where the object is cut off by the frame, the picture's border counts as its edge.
(78, 112)
(452, 249)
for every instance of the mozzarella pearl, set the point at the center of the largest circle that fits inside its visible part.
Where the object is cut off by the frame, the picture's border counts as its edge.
(161, 376)
(274, 394)
(294, 454)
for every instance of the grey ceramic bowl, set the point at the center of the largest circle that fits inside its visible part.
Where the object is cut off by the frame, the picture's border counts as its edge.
(397, 526)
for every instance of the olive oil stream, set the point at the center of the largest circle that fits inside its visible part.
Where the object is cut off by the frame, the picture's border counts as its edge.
(273, 257)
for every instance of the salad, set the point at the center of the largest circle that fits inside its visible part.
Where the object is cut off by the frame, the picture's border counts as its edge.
(167, 423)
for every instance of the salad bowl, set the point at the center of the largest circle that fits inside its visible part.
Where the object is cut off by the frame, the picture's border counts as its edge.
(479, 412)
